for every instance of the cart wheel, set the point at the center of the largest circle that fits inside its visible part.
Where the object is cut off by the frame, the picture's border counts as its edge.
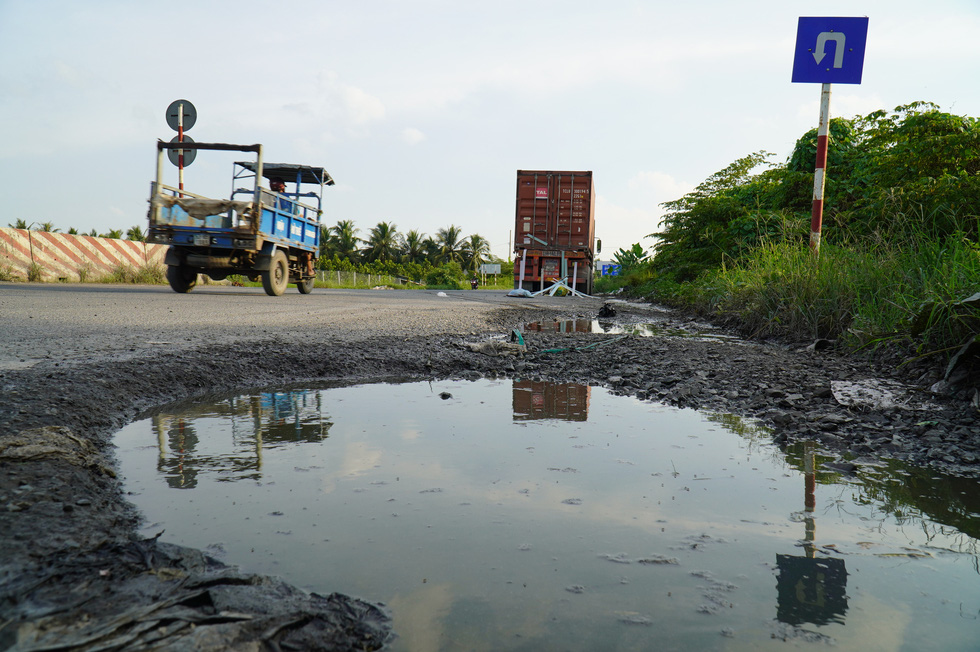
(276, 278)
(181, 279)
(306, 285)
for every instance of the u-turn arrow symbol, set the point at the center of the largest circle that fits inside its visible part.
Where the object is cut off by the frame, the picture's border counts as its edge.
(819, 53)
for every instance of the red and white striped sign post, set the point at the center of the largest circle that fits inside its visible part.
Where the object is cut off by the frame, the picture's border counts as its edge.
(819, 172)
(180, 152)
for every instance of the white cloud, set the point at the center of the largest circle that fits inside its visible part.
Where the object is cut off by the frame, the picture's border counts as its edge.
(70, 75)
(661, 186)
(628, 217)
(412, 136)
(360, 107)
(619, 226)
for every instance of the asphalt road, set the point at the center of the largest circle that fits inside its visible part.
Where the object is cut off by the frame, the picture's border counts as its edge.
(62, 323)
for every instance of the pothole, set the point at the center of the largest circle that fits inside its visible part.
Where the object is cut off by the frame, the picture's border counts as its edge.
(530, 515)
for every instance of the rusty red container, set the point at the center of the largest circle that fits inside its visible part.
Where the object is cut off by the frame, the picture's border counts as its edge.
(554, 229)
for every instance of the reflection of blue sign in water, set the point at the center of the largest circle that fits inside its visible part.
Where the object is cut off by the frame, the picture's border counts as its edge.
(611, 270)
(830, 50)
(811, 590)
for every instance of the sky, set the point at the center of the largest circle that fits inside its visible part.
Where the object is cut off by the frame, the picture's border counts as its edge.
(424, 110)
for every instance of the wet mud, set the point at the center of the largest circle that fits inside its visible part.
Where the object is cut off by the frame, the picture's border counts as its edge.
(73, 573)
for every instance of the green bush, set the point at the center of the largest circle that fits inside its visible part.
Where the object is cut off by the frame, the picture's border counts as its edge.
(149, 274)
(448, 276)
(35, 273)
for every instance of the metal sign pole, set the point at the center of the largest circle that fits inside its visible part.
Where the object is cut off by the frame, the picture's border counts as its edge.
(520, 279)
(819, 172)
(180, 153)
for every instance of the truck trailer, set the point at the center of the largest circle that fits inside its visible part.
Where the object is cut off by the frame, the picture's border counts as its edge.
(554, 231)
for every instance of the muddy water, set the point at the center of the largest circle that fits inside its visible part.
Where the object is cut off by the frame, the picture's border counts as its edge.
(515, 515)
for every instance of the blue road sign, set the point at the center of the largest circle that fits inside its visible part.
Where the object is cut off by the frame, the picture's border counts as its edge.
(830, 50)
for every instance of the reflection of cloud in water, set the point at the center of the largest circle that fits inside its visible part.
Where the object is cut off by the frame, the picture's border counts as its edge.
(358, 458)
(434, 618)
(881, 627)
(410, 434)
(419, 616)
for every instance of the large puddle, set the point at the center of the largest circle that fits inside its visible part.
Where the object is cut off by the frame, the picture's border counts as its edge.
(509, 515)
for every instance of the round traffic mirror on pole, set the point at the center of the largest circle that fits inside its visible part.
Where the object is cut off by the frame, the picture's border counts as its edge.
(174, 154)
(181, 111)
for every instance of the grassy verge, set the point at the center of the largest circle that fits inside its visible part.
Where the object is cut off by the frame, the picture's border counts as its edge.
(911, 292)
(145, 275)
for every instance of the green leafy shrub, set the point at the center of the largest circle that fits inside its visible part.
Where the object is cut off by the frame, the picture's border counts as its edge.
(35, 274)
(448, 276)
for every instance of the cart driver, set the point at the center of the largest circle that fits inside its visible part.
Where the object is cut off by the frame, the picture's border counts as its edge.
(279, 186)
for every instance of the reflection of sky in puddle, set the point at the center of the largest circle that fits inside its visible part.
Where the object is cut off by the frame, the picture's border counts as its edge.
(518, 515)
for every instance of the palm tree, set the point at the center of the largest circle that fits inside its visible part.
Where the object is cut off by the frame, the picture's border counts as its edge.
(19, 224)
(47, 227)
(115, 234)
(136, 234)
(432, 249)
(341, 241)
(383, 244)
(475, 251)
(72, 231)
(324, 240)
(414, 247)
(449, 244)
(93, 233)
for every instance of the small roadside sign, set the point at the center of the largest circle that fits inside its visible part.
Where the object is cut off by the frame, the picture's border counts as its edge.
(830, 50)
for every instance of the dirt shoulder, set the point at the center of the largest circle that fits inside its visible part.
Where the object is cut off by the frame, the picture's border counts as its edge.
(72, 570)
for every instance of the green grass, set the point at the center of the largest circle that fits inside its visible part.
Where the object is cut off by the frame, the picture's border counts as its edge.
(908, 291)
(144, 275)
(35, 273)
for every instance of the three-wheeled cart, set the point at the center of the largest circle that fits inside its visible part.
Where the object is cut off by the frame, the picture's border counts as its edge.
(256, 233)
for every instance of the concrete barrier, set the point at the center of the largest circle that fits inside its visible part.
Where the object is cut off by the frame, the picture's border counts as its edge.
(60, 256)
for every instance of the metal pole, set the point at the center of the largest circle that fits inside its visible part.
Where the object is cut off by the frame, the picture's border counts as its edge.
(160, 156)
(180, 152)
(259, 172)
(819, 174)
(520, 279)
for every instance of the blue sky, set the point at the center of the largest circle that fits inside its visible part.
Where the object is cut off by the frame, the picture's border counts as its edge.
(423, 110)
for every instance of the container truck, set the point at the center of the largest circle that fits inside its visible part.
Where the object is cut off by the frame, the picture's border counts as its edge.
(554, 231)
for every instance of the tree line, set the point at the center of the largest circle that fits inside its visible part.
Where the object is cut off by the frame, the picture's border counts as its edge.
(135, 233)
(908, 172)
(340, 243)
(899, 260)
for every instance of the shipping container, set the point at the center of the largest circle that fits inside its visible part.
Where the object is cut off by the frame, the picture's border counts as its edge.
(544, 400)
(554, 229)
